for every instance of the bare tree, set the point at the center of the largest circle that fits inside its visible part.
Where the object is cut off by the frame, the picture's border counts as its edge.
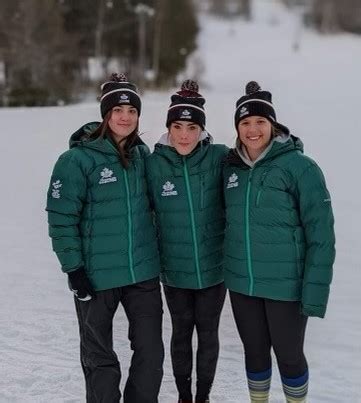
(246, 9)
(158, 22)
(325, 15)
(334, 15)
(231, 8)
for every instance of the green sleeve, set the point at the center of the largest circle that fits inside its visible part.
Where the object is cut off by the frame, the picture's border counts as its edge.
(318, 223)
(65, 200)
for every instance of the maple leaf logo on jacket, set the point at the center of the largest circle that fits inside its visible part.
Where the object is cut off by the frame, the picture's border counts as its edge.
(232, 181)
(107, 176)
(55, 192)
(168, 189)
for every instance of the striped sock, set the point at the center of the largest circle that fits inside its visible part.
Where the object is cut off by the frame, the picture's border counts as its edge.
(259, 384)
(295, 389)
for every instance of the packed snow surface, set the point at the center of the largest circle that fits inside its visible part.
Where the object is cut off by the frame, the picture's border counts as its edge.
(317, 94)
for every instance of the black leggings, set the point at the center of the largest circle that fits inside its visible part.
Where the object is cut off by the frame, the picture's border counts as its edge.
(200, 309)
(264, 323)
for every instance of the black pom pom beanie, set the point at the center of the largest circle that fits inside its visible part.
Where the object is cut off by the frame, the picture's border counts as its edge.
(118, 91)
(257, 102)
(187, 105)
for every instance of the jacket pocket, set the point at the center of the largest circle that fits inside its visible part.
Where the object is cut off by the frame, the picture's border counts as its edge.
(201, 192)
(137, 177)
(260, 190)
(259, 193)
(87, 240)
(298, 254)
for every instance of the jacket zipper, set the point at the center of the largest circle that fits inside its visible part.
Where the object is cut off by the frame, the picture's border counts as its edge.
(194, 235)
(130, 227)
(247, 233)
(130, 222)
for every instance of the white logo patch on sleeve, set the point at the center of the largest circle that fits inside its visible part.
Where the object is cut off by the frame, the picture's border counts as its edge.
(55, 191)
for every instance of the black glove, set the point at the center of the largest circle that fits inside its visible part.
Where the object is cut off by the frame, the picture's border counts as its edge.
(80, 285)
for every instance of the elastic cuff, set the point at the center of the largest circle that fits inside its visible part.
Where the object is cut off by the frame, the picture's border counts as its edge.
(295, 389)
(259, 384)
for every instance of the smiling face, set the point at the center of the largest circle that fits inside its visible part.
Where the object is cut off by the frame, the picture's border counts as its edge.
(255, 132)
(184, 136)
(123, 121)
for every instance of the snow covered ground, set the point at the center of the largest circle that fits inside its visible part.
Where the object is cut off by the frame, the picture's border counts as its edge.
(317, 94)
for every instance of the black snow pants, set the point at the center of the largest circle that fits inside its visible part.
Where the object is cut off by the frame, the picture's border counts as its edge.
(143, 307)
(200, 309)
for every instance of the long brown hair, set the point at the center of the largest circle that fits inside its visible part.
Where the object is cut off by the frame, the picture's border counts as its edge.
(276, 131)
(123, 146)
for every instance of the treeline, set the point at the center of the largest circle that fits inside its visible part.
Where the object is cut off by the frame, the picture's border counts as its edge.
(329, 16)
(337, 15)
(51, 51)
(230, 8)
(326, 16)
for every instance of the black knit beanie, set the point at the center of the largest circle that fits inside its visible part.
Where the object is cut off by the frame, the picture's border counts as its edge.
(119, 91)
(257, 103)
(188, 105)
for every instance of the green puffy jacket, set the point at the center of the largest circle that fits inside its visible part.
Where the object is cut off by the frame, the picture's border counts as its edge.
(279, 241)
(188, 203)
(99, 214)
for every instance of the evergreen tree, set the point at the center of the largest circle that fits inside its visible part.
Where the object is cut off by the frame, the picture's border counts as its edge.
(38, 55)
(106, 30)
(178, 38)
(46, 44)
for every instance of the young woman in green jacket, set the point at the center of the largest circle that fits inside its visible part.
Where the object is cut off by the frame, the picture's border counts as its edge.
(279, 245)
(185, 181)
(102, 231)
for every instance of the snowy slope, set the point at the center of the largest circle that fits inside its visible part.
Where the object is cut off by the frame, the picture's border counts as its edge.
(316, 92)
